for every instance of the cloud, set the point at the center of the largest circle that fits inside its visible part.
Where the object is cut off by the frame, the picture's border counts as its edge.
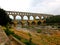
(15, 4)
(46, 6)
(37, 6)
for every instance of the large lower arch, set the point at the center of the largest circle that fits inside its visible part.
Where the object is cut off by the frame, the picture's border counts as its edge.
(25, 18)
(33, 23)
(11, 17)
(31, 18)
(18, 17)
(39, 22)
(37, 18)
(42, 17)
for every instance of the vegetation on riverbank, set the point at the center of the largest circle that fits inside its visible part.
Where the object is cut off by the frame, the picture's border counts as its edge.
(25, 41)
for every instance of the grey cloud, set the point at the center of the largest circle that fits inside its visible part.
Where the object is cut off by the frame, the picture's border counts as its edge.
(46, 6)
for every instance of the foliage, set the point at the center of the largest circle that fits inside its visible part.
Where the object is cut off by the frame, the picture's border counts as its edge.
(53, 19)
(27, 42)
(16, 36)
(8, 32)
(4, 18)
(39, 31)
(29, 34)
(32, 26)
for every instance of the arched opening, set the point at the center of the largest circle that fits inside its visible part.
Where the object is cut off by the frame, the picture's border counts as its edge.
(33, 23)
(39, 22)
(18, 17)
(11, 17)
(31, 18)
(42, 17)
(25, 18)
(37, 18)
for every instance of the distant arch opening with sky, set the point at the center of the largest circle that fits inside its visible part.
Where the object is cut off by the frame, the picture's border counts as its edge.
(12, 17)
(25, 18)
(18, 17)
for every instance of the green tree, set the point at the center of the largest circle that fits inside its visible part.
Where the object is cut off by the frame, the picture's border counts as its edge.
(4, 18)
(53, 19)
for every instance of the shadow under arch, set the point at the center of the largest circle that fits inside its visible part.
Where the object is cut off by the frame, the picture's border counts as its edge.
(33, 23)
(39, 22)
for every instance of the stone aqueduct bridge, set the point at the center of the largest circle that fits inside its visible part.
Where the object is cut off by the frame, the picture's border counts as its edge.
(28, 15)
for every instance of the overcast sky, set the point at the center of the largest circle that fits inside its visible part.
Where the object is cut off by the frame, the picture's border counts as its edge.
(36, 6)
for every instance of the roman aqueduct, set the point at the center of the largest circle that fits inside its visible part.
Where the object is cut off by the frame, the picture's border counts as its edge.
(31, 17)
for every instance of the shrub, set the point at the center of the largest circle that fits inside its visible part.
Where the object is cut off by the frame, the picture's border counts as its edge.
(16, 36)
(32, 26)
(8, 32)
(38, 31)
(27, 42)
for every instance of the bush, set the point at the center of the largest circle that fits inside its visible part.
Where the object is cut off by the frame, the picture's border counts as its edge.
(16, 36)
(8, 32)
(27, 42)
(38, 31)
(32, 26)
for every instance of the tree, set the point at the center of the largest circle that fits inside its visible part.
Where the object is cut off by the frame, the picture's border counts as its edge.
(53, 19)
(4, 18)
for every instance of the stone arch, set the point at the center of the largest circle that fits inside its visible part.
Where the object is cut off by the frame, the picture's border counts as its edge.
(37, 18)
(25, 17)
(11, 16)
(10, 13)
(18, 17)
(33, 23)
(39, 22)
(31, 18)
(42, 17)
